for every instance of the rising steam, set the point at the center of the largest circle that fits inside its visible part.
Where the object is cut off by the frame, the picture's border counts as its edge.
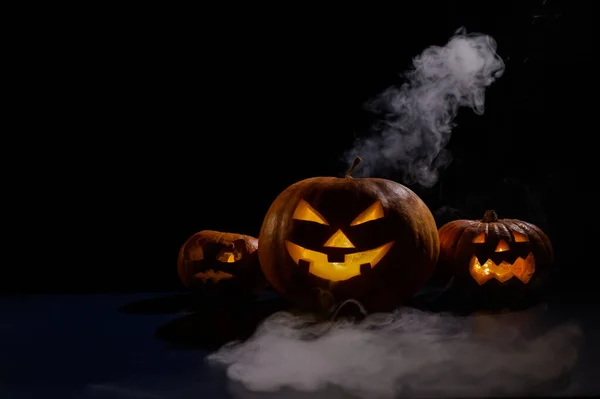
(410, 353)
(407, 353)
(418, 115)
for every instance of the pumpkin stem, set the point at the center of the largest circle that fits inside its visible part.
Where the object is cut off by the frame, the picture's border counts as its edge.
(490, 216)
(355, 163)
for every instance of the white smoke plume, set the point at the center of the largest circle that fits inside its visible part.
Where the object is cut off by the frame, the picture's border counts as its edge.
(407, 353)
(419, 115)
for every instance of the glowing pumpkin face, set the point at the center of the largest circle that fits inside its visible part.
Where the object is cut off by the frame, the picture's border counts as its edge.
(339, 259)
(372, 240)
(502, 259)
(220, 261)
(496, 261)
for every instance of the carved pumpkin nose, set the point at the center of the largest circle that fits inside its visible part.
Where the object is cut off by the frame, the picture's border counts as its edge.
(502, 246)
(339, 240)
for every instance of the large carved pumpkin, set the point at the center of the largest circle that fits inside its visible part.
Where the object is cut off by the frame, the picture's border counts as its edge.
(212, 262)
(328, 239)
(496, 262)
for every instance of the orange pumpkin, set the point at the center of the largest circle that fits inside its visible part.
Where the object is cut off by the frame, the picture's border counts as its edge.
(211, 261)
(328, 239)
(496, 260)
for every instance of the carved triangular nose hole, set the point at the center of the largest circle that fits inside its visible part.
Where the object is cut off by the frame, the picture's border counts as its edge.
(502, 246)
(338, 240)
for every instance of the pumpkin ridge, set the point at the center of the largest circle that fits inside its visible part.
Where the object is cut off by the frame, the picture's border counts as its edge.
(486, 272)
(406, 219)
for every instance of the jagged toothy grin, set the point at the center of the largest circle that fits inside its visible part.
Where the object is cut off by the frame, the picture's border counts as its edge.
(353, 265)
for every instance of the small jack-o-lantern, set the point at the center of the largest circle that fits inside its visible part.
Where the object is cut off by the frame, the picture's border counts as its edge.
(498, 260)
(215, 261)
(328, 239)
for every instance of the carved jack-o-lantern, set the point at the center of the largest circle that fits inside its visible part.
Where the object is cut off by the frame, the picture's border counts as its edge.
(211, 260)
(505, 262)
(327, 239)
(501, 257)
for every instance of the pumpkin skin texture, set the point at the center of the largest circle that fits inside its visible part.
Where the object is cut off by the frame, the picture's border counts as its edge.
(214, 262)
(496, 263)
(327, 239)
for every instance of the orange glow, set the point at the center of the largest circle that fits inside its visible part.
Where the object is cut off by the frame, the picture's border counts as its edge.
(306, 212)
(339, 240)
(373, 212)
(479, 239)
(520, 237)
(502, 246)
(336, 271)
(229, 256)
(523, 269)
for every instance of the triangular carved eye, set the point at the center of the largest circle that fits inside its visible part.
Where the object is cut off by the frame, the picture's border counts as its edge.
(307, 213)
(373, 212)
(479, 238)
(229, 255)
(520, 237)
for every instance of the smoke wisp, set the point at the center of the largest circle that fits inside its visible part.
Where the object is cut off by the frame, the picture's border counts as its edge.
(407, 353)
(418, 116)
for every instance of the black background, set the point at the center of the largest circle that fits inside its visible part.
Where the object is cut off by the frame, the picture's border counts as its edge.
(156, 124)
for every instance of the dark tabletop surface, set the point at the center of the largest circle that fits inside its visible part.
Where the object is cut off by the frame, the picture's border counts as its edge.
(155, 345)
